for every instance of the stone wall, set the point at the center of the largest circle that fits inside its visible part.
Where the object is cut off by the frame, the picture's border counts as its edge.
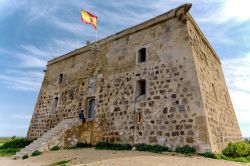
(88, 132)
(170, 113)
(221, 119)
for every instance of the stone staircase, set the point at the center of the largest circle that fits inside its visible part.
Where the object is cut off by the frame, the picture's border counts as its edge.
(48, 140)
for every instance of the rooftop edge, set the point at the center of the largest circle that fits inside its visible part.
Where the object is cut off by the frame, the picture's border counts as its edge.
(153, 21)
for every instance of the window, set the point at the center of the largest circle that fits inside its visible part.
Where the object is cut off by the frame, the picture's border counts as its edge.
(142, 55)
(91, 106)
(141, 87)
(60, 79)
(55, 102)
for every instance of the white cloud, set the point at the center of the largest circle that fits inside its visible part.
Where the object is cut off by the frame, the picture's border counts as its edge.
(236, 9)
(240, 99)
(39, 9)
(29, 61)
(237, 71)
(243, 116)
(13, 126)
(69, 26)
(33, 56)
(30, 57)
(67, 45)
(4, 51)
(237, 75)
(34, 51)
(228, 10)
(22, 80)
(8, 7)
(21, 116)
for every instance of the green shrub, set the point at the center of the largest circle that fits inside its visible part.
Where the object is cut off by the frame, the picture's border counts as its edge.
(3, 140)
(16, 143)
(8, 151)
(208, 155)
(36, 153)
(55, 148)
(109, 146)
(139, 147)
(80, 145)
(237, 159)
(159, 148)
(221, 156)
(83, 145)
(185, 149)
(25, 157)
(151, 148)
(239, 149)
(70, 147)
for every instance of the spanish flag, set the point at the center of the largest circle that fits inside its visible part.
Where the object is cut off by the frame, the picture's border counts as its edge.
(89, 18)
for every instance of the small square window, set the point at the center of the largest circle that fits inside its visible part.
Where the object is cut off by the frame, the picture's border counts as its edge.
(141, 87)
(60, 79)
(142, 55)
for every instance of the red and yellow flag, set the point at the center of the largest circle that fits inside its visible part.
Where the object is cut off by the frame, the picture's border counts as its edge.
(89, 18)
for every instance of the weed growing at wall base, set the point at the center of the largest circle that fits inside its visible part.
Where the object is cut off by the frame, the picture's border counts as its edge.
(110, 146)
(239, 152)
(238, 149)
(151, 148)
(208, 155)
(185, 149)
(139, 147)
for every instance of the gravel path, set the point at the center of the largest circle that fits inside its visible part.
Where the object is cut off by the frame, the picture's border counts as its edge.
(94, 157)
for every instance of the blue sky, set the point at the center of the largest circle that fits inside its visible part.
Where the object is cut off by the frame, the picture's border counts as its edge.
(33, 32)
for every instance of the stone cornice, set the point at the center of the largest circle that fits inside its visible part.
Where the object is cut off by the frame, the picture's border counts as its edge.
(179, 12)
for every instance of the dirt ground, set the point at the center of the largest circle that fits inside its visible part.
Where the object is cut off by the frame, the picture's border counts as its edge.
(94, 157)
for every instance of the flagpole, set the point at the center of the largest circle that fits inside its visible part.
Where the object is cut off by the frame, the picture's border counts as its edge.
(96, 35)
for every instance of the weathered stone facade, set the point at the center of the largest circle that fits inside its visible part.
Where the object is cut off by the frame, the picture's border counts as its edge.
(186, 100)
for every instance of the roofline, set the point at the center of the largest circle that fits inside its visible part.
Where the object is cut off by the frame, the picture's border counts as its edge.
(151, 22)
(203, 37)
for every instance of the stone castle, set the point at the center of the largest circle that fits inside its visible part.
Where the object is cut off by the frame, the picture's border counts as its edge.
(159, 82)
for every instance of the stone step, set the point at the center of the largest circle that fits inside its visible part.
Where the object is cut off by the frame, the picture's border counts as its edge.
(49, 134)
(57, 128)
(43, 142)
(55, 131)
(25, 151)
(33, 146)
(22, 154)
(31, 149)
